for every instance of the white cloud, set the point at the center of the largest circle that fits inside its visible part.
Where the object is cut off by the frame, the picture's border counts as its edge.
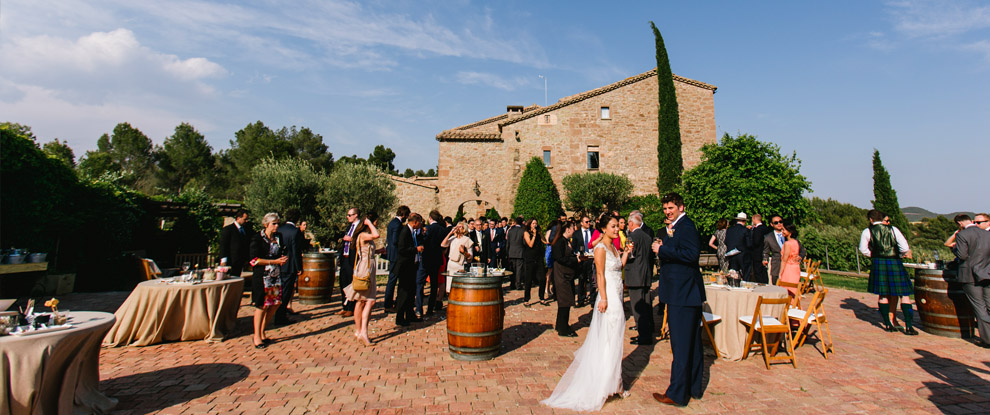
(937, 18)
(489, 79)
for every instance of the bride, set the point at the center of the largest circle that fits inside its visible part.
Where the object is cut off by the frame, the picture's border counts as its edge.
(596, 372)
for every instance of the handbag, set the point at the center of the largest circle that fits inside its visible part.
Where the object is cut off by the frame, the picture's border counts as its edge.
(361, 282)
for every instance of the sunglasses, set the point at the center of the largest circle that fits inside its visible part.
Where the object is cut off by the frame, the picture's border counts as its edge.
(776, 222)
(978, 222)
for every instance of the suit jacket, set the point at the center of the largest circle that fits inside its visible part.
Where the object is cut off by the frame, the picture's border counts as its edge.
(639, 265)
(498, 242)
(680, 275)
(432, 251)
(391, 235)
(515, 242)
(578, 241)
(293, 241)
(973, 249)
(756, 237)
(234, 245)
(486, 244)
(405, 254)
(736, 237)
(649, 232)
(771, 252)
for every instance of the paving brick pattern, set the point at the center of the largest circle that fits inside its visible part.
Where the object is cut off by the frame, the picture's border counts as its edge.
(317, 366)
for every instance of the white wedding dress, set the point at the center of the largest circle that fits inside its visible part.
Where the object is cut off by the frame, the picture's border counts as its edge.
(596, 372)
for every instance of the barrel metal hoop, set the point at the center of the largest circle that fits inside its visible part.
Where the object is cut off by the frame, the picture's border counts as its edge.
(949, 316)
(485, 334)
(472, 357)
(317, 269)
(473, 304)
(475, 349)
(478, 279)
(476, 286)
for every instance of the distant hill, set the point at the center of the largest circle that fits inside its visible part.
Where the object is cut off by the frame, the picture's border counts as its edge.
(916, 214)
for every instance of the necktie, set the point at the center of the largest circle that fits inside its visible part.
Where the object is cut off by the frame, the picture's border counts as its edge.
(780, 239)
(347, 245)
(241, 229)
(415, 243)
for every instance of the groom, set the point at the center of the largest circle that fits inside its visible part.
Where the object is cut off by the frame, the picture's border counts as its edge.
(683, 291)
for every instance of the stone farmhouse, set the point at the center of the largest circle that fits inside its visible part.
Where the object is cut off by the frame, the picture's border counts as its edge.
(610, 129)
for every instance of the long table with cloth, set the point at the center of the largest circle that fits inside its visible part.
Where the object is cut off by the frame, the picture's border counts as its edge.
(157, 312)
(55, 372)
(732, 303)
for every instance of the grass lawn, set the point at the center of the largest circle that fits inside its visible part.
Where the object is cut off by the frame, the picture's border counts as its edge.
(842, 281)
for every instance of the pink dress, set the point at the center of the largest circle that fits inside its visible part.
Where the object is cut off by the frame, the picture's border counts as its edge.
(791, 266)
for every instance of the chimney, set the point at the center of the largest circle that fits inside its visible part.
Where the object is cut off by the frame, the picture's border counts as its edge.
(514, 110)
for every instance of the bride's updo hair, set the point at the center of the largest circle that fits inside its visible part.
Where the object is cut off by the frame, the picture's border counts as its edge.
(603, 221)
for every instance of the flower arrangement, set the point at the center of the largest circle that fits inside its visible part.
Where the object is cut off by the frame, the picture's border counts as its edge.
(53, 303)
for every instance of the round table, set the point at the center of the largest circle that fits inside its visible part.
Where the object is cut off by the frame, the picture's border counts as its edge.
(730, 304)
(56, 372)
(157, 311)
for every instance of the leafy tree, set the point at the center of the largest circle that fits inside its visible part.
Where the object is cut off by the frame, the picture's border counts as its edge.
(669, 163)
(839, 244)
(929, 236)
(126, 151)
(18, 129)
(355, 185)
(61, 151)
(420, 173)
(408, 173)
(431, 173)
(279, 184)
(492, 213)
(382, 157)
(537, 195)
(250, 146)
(834, 213)
(183, 157)
(352, 159)
(596, 192)
(308, 147)
(649, 206)
(884, 196)
(460, 213)
(742, 174)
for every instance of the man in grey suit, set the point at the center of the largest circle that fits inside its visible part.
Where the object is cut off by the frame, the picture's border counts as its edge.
(973, 250)
(772, 244)
(514, 240)
(639, 279)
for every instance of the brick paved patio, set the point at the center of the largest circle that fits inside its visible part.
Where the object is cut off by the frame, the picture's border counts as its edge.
(317, 367)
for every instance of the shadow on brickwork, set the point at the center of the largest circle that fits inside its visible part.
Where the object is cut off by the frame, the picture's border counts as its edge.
(863, 312)
(959, 388)
(516, 336)
(149, 392)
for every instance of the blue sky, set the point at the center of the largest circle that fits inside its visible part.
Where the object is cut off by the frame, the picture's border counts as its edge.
(829, 80)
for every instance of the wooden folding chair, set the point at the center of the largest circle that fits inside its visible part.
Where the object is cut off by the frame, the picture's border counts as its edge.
(817, 280)
(809, 277)
(770, 325)
(150, 270)
(707, 320)
(815, 314)
(796, 301)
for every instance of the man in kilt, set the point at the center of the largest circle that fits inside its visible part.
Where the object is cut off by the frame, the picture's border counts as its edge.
(885, 245)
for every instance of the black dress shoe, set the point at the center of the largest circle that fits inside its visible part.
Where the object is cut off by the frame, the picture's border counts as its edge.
(416, 320)
(641, 343)
(911, 332)
(888, 328)
(402, 323)
(568, 334)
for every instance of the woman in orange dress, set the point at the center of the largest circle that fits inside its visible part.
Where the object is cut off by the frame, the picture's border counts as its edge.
(790, 260)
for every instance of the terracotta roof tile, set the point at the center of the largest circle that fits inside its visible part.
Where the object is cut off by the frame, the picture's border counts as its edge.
(493, 119)
(459, 135)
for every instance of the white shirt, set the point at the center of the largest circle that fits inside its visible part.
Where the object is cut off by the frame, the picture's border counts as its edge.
(864, 240)
(778, 236)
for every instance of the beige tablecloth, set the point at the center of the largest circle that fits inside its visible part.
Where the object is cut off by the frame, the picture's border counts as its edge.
(56, 372)
(730, 334)
(156, 312)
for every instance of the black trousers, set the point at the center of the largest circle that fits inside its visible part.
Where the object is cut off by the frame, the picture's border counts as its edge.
(405, 297)
(759, 273)
(346, 270)
(563, 318)
(535, 275)
(642, 308)
(518, 273)
(288, 290)
(685, 345)
(586, 281)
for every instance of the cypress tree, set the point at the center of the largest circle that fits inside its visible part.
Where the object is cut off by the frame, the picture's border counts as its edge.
(884, 196)
(669, 162)
(537, 195)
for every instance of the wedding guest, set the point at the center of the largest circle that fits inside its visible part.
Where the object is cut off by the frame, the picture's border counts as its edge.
(973, 250)
(580, 242)
(497, 237)
(391, 233)
(515, 247)
(482, 243)
(885, 245)
(566, 267)
(346, 260)
(646, 228)
(772, 244)
(266, 294)
(533, 255)
(757, 234)
(719, 237)
(234, 241)
(406, 265)
(791, 269)
(735, 245)
(429, 266)
(294, 242)
(639, 280)
(460, 250)
(620, 242)
(364, 268)
(548, 257)
(982, 220)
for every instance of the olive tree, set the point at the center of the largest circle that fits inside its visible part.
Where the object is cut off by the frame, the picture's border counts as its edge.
(359, 185)
(596, 192)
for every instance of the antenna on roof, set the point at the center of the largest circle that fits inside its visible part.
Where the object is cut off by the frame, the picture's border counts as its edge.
(544, 89)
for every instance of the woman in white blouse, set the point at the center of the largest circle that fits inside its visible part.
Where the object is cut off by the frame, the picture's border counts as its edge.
(459, 244)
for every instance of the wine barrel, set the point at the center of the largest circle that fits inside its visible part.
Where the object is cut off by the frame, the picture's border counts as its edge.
(475, 313)
(315, 284)
(944, 308)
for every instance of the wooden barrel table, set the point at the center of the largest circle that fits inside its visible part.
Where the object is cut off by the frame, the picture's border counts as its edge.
(316, 282)
(475, 313)
(944, 308)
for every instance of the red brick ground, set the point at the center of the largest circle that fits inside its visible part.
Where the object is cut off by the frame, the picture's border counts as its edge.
(318, 367)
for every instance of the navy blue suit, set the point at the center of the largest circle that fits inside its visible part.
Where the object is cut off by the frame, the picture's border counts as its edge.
(683, 290)
(391, 253)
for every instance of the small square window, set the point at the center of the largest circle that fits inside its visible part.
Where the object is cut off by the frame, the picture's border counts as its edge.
(546, 158)
(546, 119)
(593, 158)
(606, 113)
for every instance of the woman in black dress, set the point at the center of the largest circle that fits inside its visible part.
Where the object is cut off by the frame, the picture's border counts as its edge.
(533, 254)
(565, 269)
(267, 256)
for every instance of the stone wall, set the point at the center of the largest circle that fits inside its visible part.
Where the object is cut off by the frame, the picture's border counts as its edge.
(626, 141)
(419, 193)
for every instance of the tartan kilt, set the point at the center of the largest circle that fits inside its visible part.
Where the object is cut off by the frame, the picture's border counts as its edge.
(888, 277)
